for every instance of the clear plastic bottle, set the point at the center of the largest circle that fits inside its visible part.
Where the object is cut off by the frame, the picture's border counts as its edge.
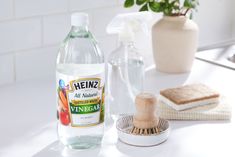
(125, 64)
(80, 81)
(125, 78)
(135, 68)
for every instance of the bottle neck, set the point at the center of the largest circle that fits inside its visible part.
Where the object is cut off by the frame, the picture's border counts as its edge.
(79, 29)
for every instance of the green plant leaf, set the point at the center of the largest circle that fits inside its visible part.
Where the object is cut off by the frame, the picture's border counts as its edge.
(166, 11)
(155, 6)
(175, 4)
(167, 7)
(129, 3)
(144, 7)
(191, 3)
(140, 2)
(187, 3)
(191, 15)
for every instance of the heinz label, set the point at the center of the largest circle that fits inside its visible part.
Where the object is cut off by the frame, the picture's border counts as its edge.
(80, 100)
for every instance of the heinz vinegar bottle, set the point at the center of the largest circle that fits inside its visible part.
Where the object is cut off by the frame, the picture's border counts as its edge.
(80, 75)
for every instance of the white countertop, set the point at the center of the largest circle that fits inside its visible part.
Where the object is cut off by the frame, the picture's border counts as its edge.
(28, 121)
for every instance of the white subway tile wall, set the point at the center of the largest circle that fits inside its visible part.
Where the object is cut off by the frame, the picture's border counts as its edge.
(6, 9)
(31, 30)
(55, 28)
(20, 34)
(78, 5)
(215, 27)
(37, 63)
(27, 8)
(7, 74)
(102, 17)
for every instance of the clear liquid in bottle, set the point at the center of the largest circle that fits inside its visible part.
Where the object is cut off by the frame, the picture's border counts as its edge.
(125, 79)
(80, 79)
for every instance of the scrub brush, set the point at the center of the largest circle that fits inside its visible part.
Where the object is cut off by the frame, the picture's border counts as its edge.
(145, 120)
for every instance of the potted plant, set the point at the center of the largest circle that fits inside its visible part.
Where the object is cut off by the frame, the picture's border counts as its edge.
(175, 35)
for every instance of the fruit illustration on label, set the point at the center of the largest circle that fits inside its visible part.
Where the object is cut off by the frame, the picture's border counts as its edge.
(63, 100)
(64, 117)
(63, 103)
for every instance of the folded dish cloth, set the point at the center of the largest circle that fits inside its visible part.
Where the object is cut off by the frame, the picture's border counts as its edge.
(221, 111)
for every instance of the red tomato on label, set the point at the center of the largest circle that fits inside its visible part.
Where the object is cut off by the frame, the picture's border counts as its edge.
(64, 118)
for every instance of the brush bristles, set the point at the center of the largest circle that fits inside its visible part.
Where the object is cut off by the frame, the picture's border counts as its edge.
(147, 131)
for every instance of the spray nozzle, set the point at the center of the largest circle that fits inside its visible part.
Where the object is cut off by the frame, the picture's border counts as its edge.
(126, 25)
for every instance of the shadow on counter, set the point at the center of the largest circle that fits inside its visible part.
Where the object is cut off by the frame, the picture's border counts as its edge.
(59, 150)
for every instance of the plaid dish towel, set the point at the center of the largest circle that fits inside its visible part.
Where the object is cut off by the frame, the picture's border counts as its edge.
(221, 111)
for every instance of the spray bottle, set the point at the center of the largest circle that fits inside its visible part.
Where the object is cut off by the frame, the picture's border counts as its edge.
(125, 64)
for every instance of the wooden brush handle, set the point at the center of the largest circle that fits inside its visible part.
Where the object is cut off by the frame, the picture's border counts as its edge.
(146, 107)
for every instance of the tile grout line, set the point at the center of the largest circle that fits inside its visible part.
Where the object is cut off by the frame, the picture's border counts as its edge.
(14, 67)
(68, 10)
(43, 46)
(13, 9)
(42, 30)
(30, 17)
(68, 5)
(29, 49)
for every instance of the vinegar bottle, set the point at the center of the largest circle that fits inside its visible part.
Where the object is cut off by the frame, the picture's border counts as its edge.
(80, 75)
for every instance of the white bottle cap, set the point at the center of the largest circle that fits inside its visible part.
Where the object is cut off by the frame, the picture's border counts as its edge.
(79, 19)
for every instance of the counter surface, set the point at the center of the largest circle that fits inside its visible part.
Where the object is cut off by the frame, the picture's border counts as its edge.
(28, 121)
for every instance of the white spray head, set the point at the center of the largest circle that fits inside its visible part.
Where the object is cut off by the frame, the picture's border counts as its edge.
(126, 25)
(126, 34)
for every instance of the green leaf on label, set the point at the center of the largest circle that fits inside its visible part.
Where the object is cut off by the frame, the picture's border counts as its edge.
(144, 7)
(129, 3)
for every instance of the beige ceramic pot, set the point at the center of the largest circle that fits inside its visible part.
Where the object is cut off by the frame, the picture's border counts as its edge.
(174, 44)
